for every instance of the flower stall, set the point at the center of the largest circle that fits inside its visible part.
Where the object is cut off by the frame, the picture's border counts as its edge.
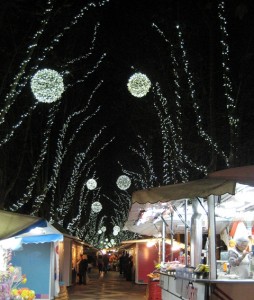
(28, 245)
(11, 280)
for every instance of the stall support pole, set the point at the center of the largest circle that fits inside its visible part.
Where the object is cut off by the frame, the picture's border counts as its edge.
(163, 242)
(172, 238)
(211, 236)
(160, 259)
(186, 232)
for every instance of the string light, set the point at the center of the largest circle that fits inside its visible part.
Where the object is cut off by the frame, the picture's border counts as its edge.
(233, 120)
(75, 224)
(199, 121)
(116, 228)
(47, 85)
(91, 184)
(96, 207)
(103, 229)
(32, 180)
(139, 85)
(176, 161)
(123, 182)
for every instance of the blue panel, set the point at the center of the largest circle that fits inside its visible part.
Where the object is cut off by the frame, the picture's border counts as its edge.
(34, 260)
(39, 223)
(42, 238)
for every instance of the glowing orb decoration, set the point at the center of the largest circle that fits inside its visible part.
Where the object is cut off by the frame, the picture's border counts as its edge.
(99, 232)
(139, 85)
(103, 228)
(91, 184)
(96, 207)
(123, 182)
(112, 241)
(116, 228)
(47, 85)
(115, 233)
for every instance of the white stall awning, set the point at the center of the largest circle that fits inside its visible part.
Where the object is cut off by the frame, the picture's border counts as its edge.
(198, 188)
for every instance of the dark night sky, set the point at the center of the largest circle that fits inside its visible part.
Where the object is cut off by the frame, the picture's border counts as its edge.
(132, 45)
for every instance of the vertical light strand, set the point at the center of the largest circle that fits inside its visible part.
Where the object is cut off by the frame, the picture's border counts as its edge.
(227, 83)
(38, 165)
(199, 121)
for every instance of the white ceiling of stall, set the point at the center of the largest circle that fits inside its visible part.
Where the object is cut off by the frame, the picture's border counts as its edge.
(142, 217)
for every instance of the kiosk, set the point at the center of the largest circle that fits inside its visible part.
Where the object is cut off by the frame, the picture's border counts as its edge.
(210, 213)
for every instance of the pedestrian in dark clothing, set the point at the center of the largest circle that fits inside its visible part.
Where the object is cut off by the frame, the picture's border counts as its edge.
(77, 268)
(121, 262)
(90, 263)
(125, 264)
(83, 265)
(105, 262)
(129, 269)
(100, 264)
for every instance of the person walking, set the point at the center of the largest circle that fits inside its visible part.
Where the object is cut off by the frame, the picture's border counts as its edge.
(100, 264)
(105, 263)
(121, 263)
(77, 267)
(83, 265)
(129, 269)
(125, 264)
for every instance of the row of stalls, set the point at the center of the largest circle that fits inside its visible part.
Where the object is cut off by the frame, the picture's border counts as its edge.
(147, 255)
(206, 216)
(32, 246)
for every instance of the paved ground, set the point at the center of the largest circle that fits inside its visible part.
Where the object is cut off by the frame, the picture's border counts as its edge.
(111, 286)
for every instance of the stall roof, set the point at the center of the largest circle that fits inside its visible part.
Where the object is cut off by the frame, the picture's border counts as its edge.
(189, 190)
(41, 235)
(243, 175)
(220, 183)
(17, 229)
(12, 224)
(71, 237)
(125, 244)
(168, 241)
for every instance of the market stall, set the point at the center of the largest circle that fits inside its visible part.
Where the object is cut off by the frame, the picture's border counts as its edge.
(146, 255)
(69, 254)
(210, 213)
(30, 245)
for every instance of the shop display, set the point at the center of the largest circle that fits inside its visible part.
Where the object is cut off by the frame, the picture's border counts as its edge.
(12, 280)
(210, 215)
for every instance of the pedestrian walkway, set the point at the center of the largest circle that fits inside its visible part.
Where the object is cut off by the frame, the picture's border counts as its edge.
(111, 286)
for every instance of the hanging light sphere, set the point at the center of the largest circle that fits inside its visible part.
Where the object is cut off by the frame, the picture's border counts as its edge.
(99, 232)
(96, 207)
(123, 182)
(115, 233)
(139, 85)
(47, 85)
(103, 228)
(116, 228)
(91, 184)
